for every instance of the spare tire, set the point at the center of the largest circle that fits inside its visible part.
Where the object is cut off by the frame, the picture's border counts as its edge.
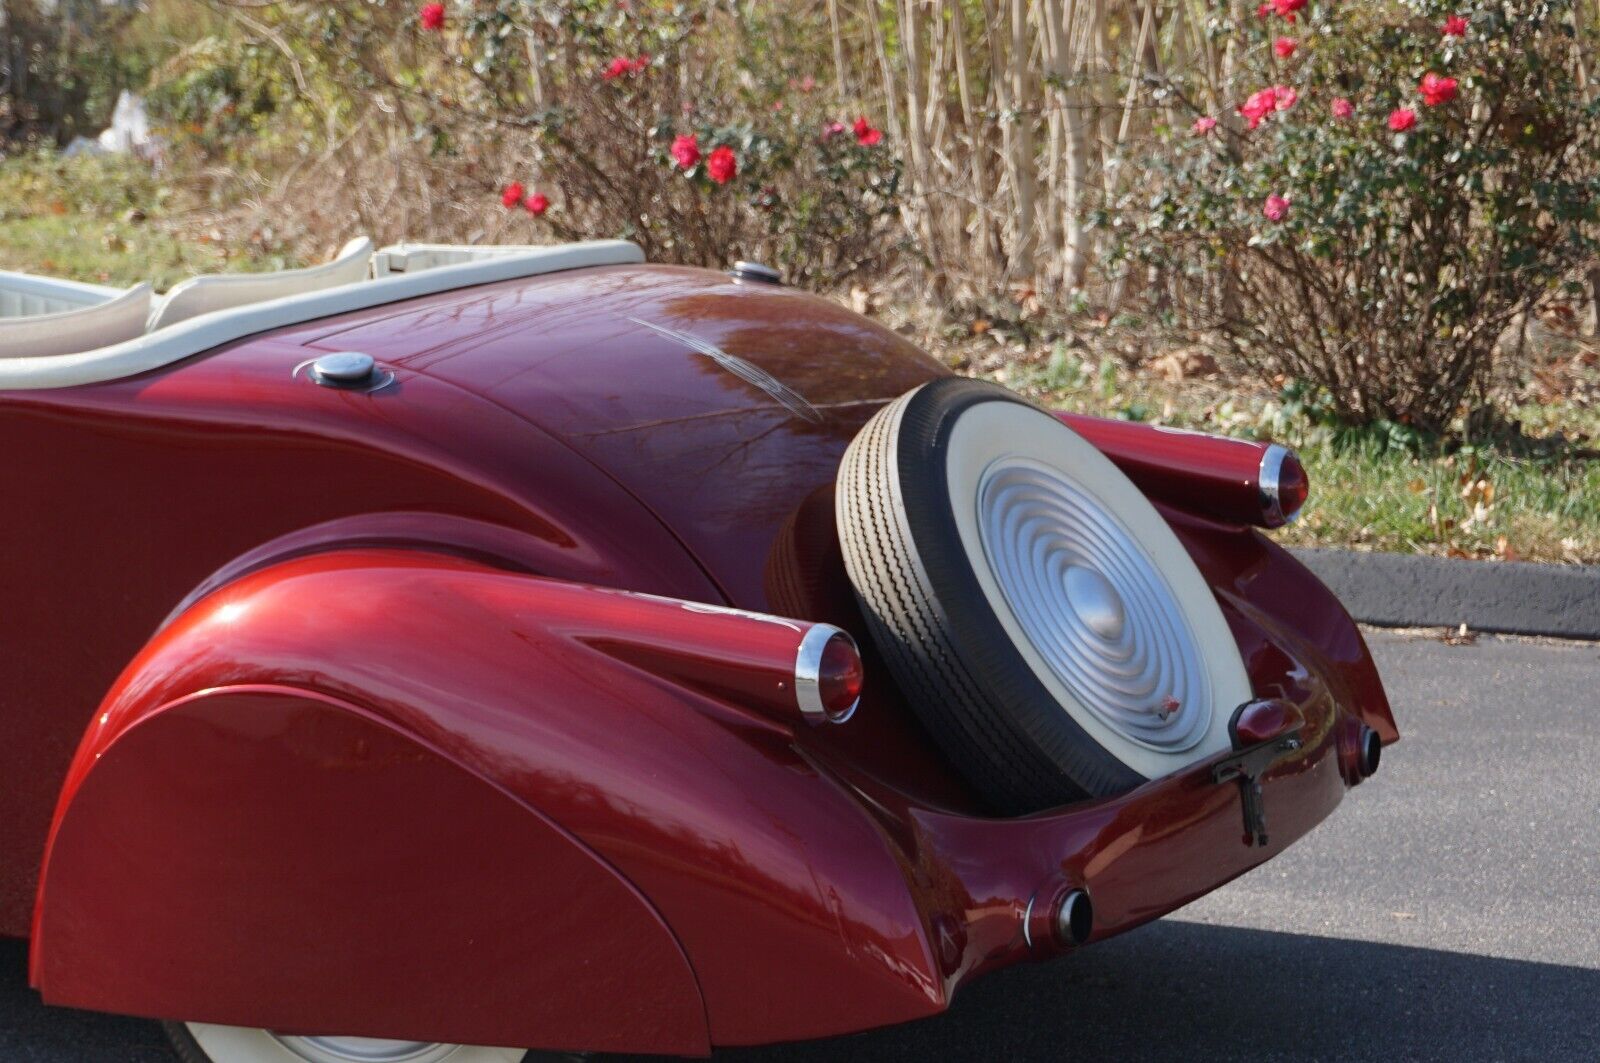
(1039, 613)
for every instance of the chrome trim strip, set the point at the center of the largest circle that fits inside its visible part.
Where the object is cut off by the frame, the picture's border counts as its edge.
(1268, 479)
(808, 675)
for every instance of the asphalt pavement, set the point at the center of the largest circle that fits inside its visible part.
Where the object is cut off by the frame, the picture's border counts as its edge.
(1450, 910)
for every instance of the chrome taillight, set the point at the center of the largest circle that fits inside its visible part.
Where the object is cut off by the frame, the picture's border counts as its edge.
(828, 675)
(1282, 485)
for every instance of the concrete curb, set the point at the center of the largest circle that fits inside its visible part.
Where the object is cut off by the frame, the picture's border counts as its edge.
(1509, 597)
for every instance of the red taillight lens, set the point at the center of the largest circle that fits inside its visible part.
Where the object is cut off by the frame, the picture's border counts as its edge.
(841, 676)
(1283, 486)
(1294, 486)
(828, 675)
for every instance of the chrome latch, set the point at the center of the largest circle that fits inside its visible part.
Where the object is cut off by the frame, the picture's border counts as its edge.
(1263, 733)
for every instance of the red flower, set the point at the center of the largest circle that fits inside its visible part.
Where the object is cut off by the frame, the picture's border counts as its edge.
(1203, 125)
(537, 204)
(1454, 26)
(1276, 208)
(622, 65)
(1284, 46)
(865, 134)
(1287, 8)
(431, 16)
(1284, 97)
(1437, 90)
(1343, 108)
(722, 165)
(685, 150)
(513, 194)
(1264, 10)
(1259, 105)
(1402, 119)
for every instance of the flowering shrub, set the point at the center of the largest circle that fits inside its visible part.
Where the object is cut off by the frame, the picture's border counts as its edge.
(642, 120)
(1385, 201)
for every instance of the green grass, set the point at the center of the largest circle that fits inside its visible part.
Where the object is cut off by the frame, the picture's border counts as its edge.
(108, 220)
(1376, 489)
(1369, 495)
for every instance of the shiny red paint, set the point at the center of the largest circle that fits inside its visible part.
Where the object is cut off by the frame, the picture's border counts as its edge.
(393, 556)
(1203, 473)
(255, 829)
(782, 891)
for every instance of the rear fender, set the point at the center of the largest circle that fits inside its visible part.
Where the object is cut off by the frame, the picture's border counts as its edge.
(400, 794)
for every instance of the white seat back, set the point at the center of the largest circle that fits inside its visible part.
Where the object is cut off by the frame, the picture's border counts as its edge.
(85, 327)
(414, 258)
(24, 295)
(223, 291)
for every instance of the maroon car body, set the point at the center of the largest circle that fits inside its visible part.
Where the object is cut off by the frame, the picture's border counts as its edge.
(397, 703)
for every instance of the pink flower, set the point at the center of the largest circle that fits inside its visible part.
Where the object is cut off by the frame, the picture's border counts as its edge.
(1454, 26)
(431, 16)
(1264, 10)
(1204, 125)
(513, 194)
(1437, 90)
(1284, 47)
(867, 136)
(1287, 8)
(808, 84)
(1276, 208)
(1259, 105)
(685, 150)
(537, 204)
(1343, 108)
(1284, 97)
(831, 130)
(722, 165)
(1402, 119)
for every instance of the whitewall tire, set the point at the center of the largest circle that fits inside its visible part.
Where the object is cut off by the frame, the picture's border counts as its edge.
(1041, 615)
(199, 1042)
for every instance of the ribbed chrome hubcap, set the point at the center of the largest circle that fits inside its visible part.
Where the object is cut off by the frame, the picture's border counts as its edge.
(1093, 605)
(364, 1050)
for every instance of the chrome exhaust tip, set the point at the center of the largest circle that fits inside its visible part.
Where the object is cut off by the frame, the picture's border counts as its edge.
(1371, 752)
(1074, 918)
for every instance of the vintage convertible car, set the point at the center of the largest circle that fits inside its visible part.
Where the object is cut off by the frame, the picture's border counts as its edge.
(533, 647)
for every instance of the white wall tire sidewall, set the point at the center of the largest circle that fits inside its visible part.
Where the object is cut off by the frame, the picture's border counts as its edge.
(988, 431)
(240, 1044)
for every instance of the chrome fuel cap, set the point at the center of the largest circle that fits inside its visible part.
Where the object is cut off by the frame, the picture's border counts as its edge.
(346, 371)
(343, 368)
(756, 271)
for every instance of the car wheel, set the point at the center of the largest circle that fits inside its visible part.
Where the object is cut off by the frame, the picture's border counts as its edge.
(1040, 614)
(198, 1042)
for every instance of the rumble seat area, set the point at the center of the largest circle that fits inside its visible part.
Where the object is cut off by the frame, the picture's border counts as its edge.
(206, 294)
(112, 335)
(41, 318)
